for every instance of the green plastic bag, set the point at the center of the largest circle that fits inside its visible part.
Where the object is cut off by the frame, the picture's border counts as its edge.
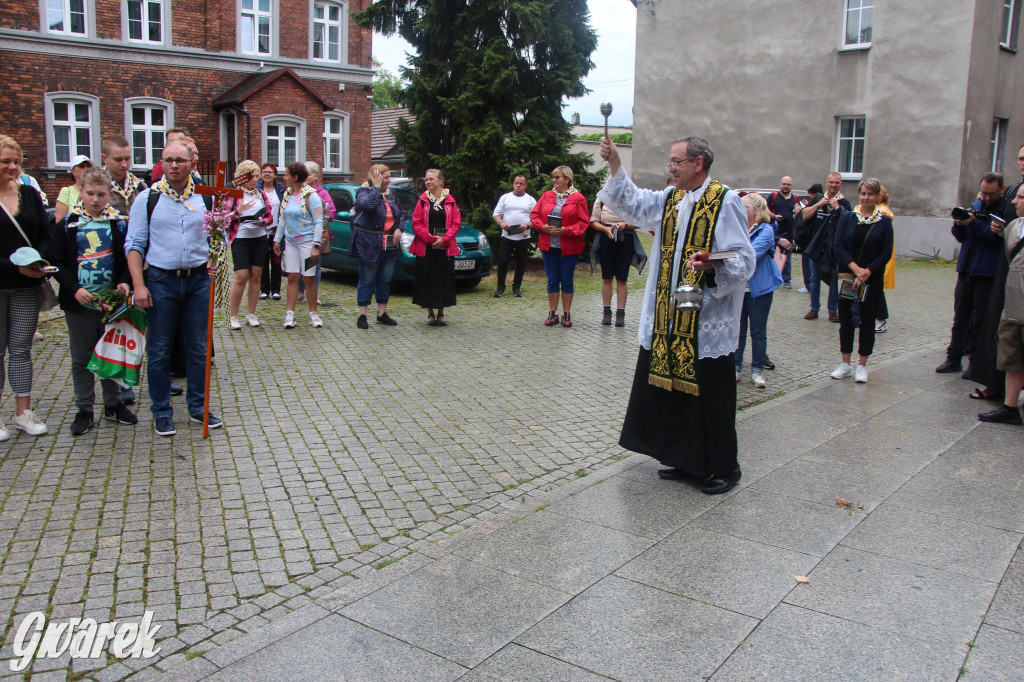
(119, 352)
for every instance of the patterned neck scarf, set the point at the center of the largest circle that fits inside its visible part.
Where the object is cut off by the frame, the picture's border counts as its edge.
(564, 195)
(131, 185)
(438, 203)
(107, 214)
(164, 188)
(875, 216)
(303, 193)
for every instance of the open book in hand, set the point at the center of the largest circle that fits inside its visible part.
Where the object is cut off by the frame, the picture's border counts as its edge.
(717, 255)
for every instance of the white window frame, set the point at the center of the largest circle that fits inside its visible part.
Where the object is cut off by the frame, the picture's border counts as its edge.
(130, 127)
(840, 139)
(89, 10)
(343, 136)
(858, 11)
(1010, 24)
(93, 125)
(1000, 127)
(300, 138)
(342, 25)
(165, 23)
(273, 14)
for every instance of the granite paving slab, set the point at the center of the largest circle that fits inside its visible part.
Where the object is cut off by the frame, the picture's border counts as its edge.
(997, 656)
(515, 663)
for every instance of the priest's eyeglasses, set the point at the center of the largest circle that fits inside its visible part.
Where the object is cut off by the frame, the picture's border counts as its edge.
(672, 165)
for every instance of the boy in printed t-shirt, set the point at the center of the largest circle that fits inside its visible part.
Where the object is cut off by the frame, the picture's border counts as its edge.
(88, 249)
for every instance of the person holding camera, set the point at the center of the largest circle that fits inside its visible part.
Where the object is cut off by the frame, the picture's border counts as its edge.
(863, 245)
(979, 230)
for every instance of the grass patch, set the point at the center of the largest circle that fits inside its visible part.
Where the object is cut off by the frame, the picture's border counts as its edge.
(189, 655)
(387, 562)
(581, 473)
(762, 400)
(541, 507)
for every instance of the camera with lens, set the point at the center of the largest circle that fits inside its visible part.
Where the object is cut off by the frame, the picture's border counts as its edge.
(961, 213)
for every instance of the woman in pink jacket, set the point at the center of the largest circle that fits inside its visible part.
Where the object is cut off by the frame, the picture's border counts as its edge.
(562, 243)
(435, 222)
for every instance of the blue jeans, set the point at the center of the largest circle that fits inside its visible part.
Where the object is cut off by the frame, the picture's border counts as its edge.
(756, 309)
(177, 301)
(376, 280)
(812, 280)
(560, 270)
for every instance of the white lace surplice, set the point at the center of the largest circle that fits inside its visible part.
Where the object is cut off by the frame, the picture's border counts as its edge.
(720, 308)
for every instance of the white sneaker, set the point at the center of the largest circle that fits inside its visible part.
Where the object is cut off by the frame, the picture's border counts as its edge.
(252, 320)
(842, 371)
(758, 380)
(802, 290)
(881, 326)
(234, 323)
(289, 319)
(38, 337)
(861, 377)
(739, 377)
(4, 433)
(29, 423)
(315, 320)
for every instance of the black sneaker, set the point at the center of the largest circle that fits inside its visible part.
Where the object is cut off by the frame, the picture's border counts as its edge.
(1004, 414)
(518, 293)
(83, 422)
(176, 389)
(386, 320)
(768, 364)
(620, 318)
(500, 292)
(606, 317)
(164, 426)
(120, 414)
(950, 365)
(362, 323)
(198, 419)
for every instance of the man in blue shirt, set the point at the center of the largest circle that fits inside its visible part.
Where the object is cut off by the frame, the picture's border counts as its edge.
(175, 288)
(981, 241)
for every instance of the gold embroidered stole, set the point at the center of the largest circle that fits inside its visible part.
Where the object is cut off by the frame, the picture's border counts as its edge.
(674, 340)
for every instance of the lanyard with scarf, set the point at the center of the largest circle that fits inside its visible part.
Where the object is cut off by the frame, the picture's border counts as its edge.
(164, 188)
(131, 184)
(303, 199)
(673, 364)
(109, 213)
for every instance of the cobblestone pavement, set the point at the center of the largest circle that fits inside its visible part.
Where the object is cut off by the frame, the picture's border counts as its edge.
(343, 451)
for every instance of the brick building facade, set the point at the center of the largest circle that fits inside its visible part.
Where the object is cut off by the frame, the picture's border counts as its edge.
(268, 80)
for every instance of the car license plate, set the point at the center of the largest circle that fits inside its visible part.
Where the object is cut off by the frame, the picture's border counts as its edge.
(467, 264)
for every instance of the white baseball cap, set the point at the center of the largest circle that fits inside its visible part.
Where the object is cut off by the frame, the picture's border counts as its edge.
(25, 256)
(80, 159)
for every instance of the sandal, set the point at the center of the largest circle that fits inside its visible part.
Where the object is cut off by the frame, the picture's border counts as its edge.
(441, 321)
(981, 393)
(431, 321)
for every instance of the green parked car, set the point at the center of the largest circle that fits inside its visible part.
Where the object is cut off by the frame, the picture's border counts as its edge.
(473, 263)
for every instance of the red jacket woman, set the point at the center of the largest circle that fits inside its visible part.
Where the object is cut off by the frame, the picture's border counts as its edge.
(575, 221)
(423, 239)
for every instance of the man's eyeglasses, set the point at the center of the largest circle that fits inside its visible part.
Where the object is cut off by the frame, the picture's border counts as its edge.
(176, 162)
(672, 165)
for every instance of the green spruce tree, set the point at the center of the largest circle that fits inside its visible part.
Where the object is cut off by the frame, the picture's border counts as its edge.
(486, 86)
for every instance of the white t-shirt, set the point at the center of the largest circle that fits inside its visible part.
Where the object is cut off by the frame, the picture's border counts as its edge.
(515, 210)
(273, 207)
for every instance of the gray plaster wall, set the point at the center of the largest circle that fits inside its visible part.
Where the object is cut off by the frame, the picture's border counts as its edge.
(765, 89)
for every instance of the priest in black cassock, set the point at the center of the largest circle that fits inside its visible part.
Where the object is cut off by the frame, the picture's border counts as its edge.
(682, 408)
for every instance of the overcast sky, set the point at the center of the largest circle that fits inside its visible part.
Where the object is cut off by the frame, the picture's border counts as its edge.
(610, 80)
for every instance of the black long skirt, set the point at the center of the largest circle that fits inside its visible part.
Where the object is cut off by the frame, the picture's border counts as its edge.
(434, 286)
(696, 434)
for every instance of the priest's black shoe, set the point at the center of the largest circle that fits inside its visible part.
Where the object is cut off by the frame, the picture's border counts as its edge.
(950, 365)
(671, 474)
(716, 485)
(1004, 414)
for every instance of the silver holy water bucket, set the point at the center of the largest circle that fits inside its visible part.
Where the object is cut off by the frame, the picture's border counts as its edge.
(688, 296)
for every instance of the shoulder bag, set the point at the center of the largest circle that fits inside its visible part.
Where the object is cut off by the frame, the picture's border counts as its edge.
(47, 297)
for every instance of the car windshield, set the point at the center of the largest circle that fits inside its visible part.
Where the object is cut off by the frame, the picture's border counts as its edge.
(406, 199)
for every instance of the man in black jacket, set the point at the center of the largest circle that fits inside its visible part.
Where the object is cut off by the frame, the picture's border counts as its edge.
(824, 213)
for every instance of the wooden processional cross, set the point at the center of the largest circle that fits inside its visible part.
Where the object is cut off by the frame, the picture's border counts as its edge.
(218, 191)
